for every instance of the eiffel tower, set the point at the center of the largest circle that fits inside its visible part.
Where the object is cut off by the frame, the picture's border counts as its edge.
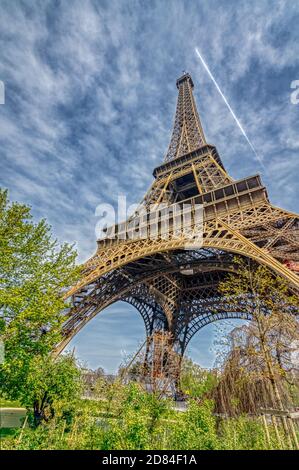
(176, 289)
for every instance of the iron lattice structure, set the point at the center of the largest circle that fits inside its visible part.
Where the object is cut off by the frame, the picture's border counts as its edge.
(174, 289)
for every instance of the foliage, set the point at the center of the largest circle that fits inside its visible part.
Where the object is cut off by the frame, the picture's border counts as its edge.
(196, 381)
(195, 429)
(243, 433)
(9, 403)
(52, 386)
(34, 270)
(126, 417)
(138, 419)
(257, 369)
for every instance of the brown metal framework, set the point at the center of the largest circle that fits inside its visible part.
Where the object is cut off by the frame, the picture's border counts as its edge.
(174, 289)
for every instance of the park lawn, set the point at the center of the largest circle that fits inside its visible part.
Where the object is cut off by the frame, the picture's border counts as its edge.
(9, 403)
(8, 432)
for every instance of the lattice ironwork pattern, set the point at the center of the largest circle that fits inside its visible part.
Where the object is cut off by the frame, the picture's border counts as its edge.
(187, 130)
(176, 289)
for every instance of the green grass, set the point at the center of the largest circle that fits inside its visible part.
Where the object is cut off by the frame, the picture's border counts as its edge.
(7, 432)
(9, 403)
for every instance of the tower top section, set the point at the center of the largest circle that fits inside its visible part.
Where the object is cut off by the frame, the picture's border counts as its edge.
(187, 134)
(185, 77)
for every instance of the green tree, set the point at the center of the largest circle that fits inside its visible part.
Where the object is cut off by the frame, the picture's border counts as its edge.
(34, 271)
(273, 332)
(53, 385)
(195, 381)
(196, 428)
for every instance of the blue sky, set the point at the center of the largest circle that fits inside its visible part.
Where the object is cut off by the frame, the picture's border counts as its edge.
(90, 99)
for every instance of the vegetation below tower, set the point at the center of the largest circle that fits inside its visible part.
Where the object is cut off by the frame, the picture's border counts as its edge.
(249, 402)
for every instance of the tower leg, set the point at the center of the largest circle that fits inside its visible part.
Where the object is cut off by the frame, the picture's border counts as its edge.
(161, 365)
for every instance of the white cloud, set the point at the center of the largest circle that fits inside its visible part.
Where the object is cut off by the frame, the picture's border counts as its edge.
(90, 98)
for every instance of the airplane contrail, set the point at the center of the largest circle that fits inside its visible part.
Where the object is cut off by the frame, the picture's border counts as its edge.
(230, 109)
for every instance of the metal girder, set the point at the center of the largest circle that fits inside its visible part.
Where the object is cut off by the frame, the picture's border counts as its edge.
(124, 284)
(223, 232)
(174, 289)
(187, 133)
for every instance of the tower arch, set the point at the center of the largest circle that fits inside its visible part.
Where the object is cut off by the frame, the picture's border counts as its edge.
(157, 274)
